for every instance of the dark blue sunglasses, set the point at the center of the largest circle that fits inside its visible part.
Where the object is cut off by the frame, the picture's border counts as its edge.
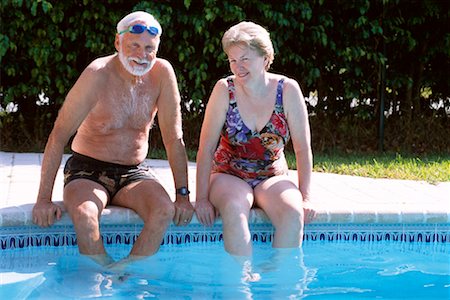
(139, 28)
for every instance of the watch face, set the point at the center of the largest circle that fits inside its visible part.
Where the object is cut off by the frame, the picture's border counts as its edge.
(183, 191)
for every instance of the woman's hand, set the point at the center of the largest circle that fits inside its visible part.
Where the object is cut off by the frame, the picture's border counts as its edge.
(309, 212)
(205, 212)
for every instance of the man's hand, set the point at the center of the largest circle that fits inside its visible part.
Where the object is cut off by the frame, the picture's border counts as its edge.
(44, 213)
(183, 211)
(205, 212)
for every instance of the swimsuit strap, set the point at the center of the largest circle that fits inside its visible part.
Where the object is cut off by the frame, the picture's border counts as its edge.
(231, 90)
(279, 100)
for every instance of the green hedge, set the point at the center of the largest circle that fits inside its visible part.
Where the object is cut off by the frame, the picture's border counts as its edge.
(337, 50)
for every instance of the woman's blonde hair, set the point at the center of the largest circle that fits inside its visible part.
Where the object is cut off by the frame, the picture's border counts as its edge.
(253, 35)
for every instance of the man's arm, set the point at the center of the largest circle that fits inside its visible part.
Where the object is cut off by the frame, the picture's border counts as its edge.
(169, 118)
(75, 108)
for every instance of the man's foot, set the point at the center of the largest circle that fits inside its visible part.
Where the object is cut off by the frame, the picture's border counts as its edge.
(101, 259)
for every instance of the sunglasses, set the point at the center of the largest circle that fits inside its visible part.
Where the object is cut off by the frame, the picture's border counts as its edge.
(139, 28)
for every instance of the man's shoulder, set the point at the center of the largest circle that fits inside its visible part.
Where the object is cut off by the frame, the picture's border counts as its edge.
(101, 63)
(163, 65)
(97, 72)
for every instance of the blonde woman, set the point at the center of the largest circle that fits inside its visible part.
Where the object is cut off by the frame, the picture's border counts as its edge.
(250, 117)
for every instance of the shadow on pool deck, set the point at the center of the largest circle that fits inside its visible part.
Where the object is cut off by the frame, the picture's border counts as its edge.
(338, 199)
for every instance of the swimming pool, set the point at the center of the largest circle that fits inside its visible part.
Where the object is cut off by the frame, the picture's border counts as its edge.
(336, 262)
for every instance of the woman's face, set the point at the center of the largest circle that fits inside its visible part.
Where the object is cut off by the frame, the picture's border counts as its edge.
(245, 63)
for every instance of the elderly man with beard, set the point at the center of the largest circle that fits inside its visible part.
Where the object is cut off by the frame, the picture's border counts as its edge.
(110, 109)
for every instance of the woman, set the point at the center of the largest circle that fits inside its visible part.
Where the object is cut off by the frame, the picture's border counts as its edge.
(250, 116)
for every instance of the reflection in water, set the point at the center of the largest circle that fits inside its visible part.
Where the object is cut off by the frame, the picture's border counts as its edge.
(205, 271)
(283, 274)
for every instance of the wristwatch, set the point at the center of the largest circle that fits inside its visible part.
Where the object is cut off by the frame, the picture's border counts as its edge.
(183, 191)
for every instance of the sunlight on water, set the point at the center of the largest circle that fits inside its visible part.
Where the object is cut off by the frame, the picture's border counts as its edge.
(322, 270)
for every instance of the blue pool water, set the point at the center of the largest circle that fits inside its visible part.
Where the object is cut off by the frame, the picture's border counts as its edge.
(321, 270)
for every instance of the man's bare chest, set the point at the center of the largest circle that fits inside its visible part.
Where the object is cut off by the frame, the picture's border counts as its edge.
(125, 108)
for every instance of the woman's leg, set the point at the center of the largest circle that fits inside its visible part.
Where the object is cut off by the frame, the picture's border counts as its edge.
(281, 200)
(233, 198)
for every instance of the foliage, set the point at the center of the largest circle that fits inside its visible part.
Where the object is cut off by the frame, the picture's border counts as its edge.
(337, 50)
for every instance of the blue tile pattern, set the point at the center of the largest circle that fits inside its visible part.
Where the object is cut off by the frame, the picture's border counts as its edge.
(60, 236)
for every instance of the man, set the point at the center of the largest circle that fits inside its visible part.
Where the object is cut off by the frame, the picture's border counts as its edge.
(111, 109)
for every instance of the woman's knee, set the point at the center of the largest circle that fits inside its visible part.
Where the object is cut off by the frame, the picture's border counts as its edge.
(230, 194)
(234, 207)
(290, 218)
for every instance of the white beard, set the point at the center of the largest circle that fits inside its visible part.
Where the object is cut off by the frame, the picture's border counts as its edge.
(139, 70)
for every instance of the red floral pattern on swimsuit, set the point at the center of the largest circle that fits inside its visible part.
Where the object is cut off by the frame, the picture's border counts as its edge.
(250, 155)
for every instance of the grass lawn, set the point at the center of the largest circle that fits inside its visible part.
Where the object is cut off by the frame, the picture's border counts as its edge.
(395, 166)
(433, 168)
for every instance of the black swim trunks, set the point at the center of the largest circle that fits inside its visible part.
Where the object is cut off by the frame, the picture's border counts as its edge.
(111, 176)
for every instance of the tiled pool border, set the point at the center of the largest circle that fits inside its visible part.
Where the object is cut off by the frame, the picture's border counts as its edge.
(64, 235)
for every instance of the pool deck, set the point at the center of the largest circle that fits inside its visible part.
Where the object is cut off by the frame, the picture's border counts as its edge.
(338, 199)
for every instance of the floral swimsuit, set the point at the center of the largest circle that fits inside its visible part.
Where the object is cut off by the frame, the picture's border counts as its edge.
(250, 155)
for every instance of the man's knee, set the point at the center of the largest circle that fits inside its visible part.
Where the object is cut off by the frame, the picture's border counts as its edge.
(84, 213)
(167, 210)
(162, 211)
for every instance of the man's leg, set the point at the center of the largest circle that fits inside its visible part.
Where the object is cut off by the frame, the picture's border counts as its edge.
(150, 201)
(85, 200)
(233, 197)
